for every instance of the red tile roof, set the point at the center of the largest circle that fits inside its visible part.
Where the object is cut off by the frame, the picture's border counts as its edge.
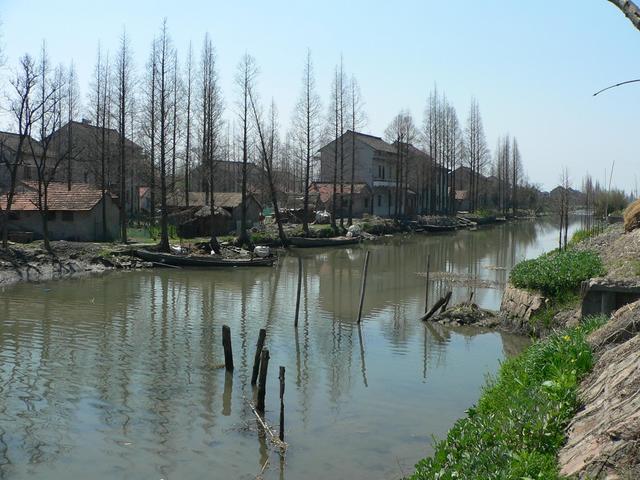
(81, 197)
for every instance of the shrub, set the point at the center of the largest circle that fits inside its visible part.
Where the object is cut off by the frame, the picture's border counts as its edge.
(324, 232)
(580, 235)
(517, 427)
(558, 273)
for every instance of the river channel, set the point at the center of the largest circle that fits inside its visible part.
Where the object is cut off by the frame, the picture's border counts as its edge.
(117, 376)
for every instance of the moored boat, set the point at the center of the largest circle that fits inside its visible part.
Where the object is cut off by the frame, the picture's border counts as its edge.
(303, 242)
(202, 260)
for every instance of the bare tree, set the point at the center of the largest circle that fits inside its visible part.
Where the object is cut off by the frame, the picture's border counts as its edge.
(174, 119)
(245, 77)
(210, 125)
(25, 109)
(151, 126)
(476, 152)
(164, 89)
(306, 124)
(267, 135)
(73, 105)
(50, 101)
(516, 174)
(124, 88)
(187, 150)
(357, 120)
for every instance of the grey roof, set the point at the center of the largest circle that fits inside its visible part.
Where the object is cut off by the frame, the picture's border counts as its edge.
(376, 143)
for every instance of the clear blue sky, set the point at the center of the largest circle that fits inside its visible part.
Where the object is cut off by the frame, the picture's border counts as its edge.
(532, 65)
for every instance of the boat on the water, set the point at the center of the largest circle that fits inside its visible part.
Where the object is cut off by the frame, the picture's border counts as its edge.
(303, 242)
(173, 260)
(438, 228)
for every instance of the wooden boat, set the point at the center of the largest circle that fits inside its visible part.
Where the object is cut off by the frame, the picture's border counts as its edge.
(202, 260)
(439, 228)
(303, 242)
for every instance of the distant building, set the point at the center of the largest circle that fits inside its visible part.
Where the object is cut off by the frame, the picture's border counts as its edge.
(376, 163)
(78, 145)
(74, 214)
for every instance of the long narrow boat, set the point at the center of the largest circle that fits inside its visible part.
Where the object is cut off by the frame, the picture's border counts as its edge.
(302, 242)
(439, 228)
(202, 260)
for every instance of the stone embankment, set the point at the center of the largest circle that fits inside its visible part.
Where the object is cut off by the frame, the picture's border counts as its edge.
(68, 259)
(604, 437)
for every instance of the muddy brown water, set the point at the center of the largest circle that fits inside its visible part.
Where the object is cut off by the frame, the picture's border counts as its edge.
(116, 376)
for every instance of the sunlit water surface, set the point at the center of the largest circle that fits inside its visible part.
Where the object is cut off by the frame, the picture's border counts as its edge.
(116, 376)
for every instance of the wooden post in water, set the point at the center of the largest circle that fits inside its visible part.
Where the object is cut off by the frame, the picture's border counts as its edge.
(281, 377)
(262, 380)
(364, 284)
(426, 292)
(295, 322)
(226, 345)
(256, 360)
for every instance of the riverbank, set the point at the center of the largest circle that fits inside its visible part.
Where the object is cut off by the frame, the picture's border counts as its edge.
(569, 404)
(31, 263)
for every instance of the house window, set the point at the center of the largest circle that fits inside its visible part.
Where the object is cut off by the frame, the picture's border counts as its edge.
(86, 177)
(366, 203)
(379, 200)
(67, 216)
(14, 216)
(383, 172)
(51, 215)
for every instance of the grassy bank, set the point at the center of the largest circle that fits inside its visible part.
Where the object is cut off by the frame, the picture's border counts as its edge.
(517, 427)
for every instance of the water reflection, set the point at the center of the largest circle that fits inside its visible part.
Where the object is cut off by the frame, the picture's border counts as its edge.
(118, 376)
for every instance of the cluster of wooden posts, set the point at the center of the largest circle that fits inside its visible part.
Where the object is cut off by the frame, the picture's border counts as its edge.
(261, 359)
(258, 375)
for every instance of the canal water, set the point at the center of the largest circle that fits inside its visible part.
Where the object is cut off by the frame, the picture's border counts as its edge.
(117, 376)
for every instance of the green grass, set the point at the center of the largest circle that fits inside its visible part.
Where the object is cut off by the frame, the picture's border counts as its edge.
(557, 274)
(580, 235)
(517, 427)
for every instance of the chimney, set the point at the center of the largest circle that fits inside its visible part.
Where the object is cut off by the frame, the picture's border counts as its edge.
(86, 121)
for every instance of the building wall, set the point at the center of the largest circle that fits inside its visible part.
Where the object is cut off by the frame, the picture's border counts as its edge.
(85, 226)
(363, 162)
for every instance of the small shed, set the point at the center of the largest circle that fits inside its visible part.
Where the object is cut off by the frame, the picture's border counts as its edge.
(197, 221)
(74, 213)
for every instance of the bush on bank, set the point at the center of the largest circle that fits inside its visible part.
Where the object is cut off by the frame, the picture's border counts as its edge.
(558, 273)
(517, 427)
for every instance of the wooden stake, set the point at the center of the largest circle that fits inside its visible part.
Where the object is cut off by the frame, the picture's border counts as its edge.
(364, 284)
(226, 345)
(436, 306)
(426, 292)
(446, 302)
(295, 322)
(256, 360)
(281, 377)
(262, 380)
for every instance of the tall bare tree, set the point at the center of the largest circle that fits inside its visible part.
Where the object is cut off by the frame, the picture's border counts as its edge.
(25, 110)
(124, 91)
(245, 77)
(164, 90)
(516, 174)
(210, 125)
(73, 106)
(306, 120)
(187, 149)
(46, 161)
(267, 136)
(476, 153)
(357, 121)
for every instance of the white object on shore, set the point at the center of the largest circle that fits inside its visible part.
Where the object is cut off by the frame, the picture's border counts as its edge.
(262, 251)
